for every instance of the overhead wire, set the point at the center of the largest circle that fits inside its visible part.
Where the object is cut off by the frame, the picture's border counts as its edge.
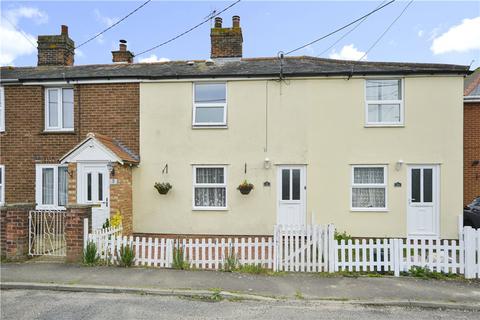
(207, 19)
(341, 28)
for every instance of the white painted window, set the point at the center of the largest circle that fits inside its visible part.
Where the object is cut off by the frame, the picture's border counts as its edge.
(58, 109)
(209, 188)
(2, 109)
(51, 189)
(369, 188)
(2, 184)
(209, 104)
(384, 102)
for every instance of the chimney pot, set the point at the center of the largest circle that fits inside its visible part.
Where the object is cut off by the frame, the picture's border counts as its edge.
(236, 21)
(218, 22)
(64, 30)
(122, 55)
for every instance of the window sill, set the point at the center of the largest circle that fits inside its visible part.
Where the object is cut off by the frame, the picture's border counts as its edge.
(47, 132)
(205, 126)
(384, 125)
(209, 209)
(369, 210)
(40, 207)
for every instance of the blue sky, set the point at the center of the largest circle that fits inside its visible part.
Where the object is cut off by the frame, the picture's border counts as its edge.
(429, 31)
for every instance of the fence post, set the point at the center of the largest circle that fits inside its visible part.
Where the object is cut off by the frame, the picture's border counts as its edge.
(85, 233)
(469, 256)
(275, 248)
(331, 248)
(397, 257)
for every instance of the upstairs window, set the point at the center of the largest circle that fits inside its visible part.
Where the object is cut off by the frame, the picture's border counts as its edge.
(369, 188)
(2, 110)
(210, 104)
(51, 186)
(59, 109)
(384, 102)
(209, 188)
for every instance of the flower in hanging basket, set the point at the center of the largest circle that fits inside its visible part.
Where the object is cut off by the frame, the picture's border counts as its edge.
(163, 187)
(245, 187)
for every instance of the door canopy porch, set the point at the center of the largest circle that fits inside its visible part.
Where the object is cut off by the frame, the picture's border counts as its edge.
(98, 147)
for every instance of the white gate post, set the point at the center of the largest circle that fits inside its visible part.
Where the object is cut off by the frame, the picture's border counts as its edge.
(275, 248)
(397, 257)
(460, 227)
(469, 256)
(331, 248)
(85, 233)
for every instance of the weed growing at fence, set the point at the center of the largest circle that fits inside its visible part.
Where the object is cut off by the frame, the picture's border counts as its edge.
(230, 263)
(90, 254)
(253, 269)
(426, 273)
(179, 262)
(126, 256)
(342, 236)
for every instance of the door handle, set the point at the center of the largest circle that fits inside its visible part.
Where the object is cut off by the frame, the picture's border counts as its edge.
(106, 201)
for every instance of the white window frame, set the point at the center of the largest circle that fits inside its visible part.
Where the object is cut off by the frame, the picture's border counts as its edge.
(39, 183)
(371, 185)
(209, 185)
(200, 105)
(2, 183)
(60, 110)
(401, 122)
(2, 109)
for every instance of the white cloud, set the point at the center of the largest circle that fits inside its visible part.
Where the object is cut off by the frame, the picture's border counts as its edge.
(348, 52)
(107, 21)
(154, 58)
(420, 33)
(460, 38)
(15, 42)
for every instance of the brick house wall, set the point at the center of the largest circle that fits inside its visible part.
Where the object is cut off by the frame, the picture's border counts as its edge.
(110, 109)
(471, 152)
(121, 196)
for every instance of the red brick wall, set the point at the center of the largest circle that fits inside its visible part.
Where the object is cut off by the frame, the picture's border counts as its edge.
(110, 109)
(74, 230)
(14, 240)
(471, 145)
(121, 197)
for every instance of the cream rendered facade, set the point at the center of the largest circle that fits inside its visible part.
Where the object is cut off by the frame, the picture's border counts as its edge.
(317, 122)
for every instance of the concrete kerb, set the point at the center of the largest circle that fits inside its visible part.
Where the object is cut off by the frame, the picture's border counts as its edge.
(207, 294)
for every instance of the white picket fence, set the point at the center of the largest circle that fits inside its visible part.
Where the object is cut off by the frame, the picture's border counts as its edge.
(309, 248)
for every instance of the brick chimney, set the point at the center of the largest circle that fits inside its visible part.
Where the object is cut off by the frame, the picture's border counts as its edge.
(226, 42)
(56, 50)
(122, 55)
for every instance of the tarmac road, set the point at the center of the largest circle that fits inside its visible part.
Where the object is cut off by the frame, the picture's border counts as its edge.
(51, 305)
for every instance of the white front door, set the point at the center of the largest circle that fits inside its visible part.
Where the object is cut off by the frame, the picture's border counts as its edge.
(423, 206)
(291, 181)
(94, 188)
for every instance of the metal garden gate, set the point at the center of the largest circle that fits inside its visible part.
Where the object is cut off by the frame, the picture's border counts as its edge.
(47, 233)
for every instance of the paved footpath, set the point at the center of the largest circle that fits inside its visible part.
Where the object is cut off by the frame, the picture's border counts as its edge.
(382, 290)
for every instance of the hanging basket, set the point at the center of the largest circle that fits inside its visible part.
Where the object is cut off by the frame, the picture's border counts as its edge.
(163, 188)
(245, 187)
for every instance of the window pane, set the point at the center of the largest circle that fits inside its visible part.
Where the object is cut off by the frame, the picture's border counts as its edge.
(67, 105)
(368, 175)
(296, 184)
(62, 186)
(1, 175)
(384, 89)
(100, 187)
(47, 186)
(89, 187)
(427, 185)
(286, 184)
(368, 198)
(53, 108)
(415, 185)
(210, 197)
(209, 115)
(210, 175)
(384, 113)
(210, 93)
